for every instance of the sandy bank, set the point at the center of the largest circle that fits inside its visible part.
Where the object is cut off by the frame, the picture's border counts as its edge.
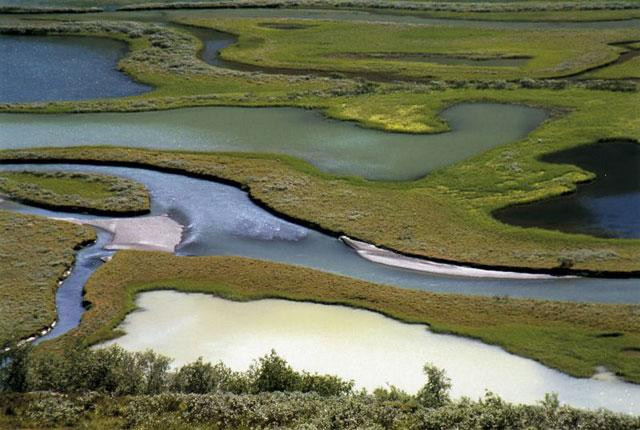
(152, 233)
(390, 258)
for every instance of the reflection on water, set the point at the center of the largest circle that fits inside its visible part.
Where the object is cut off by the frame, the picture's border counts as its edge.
(334, 146)
(355, 344)
(609, 206)
(39, 68)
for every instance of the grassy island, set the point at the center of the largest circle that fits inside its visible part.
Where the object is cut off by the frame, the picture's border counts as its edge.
(78, 192)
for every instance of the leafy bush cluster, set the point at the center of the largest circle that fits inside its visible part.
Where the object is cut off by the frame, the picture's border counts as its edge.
(118, 372)
(80, 191)
(137, 390)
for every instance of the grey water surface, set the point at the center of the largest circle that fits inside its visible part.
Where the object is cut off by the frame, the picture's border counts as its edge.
(48, 68)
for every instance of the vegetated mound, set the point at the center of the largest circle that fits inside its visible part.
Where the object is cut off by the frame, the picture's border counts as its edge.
(73, 191)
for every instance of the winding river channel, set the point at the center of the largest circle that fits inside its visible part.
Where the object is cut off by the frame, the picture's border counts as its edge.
(221, 220)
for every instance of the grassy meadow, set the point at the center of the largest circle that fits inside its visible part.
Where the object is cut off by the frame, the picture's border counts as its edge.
(444, 216)
(374, 50)
(34, 254)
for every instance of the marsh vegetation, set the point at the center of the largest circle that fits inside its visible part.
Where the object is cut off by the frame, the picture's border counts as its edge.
(76, 192)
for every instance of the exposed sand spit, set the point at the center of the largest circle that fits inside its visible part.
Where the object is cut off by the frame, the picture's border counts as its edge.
(152, 233)
(390, 258)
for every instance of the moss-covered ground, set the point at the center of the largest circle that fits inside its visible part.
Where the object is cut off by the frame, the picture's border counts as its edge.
(75, 191)
(343, 47)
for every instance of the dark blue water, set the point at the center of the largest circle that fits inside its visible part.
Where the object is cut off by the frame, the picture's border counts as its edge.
(608, 206)
(38, 68)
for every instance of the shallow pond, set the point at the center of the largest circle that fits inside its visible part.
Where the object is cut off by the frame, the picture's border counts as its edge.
(334, 146)
(222, 220)
(608, 206)
(39, 68)
(364, 346)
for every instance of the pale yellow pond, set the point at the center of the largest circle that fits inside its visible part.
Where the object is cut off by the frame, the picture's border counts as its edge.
(369, 348)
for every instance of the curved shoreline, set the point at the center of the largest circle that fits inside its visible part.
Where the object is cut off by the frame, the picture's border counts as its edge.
(40, 334)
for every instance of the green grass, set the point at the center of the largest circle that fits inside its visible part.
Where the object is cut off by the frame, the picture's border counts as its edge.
(34, 254)
(334, 46)
(534, 16)
(625, 70)
(566, 336)
(94, 193)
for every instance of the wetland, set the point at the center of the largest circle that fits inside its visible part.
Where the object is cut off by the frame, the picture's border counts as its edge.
(333, 146)
(268, 146)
